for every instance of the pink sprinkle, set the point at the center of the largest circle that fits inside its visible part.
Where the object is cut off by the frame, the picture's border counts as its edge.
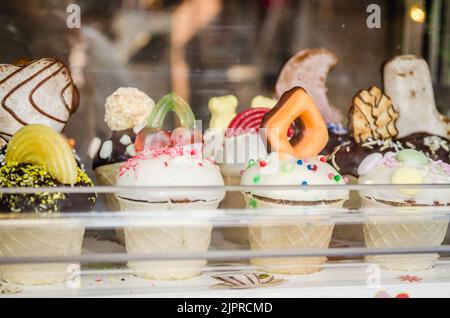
(345, 179)
(165, 163)
(330, 176)
(241, 172)
(200, 164)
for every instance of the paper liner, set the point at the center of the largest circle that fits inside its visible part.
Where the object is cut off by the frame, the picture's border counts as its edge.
(390, 232)
(234, 200)
(107, 176)
(162, 239)
(312, 233)
(40, 242)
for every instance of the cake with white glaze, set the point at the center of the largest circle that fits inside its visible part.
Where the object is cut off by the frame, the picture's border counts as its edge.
(174, 166)
(405, 167)
(275, 171)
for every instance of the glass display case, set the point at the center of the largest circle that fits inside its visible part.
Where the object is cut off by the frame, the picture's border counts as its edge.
(145, 150)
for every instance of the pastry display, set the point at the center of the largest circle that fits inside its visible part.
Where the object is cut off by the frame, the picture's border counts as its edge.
(309, 69)
(35, 92)
(372, 128)
(37, 156)
(407, 81)
(406, 167)
(297, 163)
(126, 113)
(162, 159)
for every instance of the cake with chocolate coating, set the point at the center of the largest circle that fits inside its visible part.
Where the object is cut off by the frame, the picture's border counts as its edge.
(37, 156)
(372, 128)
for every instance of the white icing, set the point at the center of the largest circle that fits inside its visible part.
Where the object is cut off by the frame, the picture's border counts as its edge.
(106, 150)
(237, 151)
(125, 140)
(433, 172)
(166, 170)
(94, 147)
(290, 171)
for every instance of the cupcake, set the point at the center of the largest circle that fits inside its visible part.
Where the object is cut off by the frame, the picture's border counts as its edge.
(372, 128)
(126, 113)
(294, 164)
(37, 156)
(168, 159)
(404, 167)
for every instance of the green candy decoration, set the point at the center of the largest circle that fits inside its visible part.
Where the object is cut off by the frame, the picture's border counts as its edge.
(411, 157)
(252, 203)
(172, 103)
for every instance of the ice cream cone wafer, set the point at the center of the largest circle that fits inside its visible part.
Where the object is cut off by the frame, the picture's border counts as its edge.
(311, 233)
(163, 239)
(107, 176)
(40, 242)
(393, 232)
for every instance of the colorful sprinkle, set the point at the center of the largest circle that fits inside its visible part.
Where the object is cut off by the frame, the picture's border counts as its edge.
(337, 178)
(312, 167)
(304, 183)
(331, 176)
(262, 163)
(287, 167)
(323, 158)
(251, 163)
(256, 179)
(165, 163)
(241, 172)
(252, 203)
(300, 162)
(200, 164)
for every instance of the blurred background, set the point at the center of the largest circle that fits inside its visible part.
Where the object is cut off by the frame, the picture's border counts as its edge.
(206, 48)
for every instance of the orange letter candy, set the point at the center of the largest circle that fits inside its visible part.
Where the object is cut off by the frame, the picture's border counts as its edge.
(294, 104)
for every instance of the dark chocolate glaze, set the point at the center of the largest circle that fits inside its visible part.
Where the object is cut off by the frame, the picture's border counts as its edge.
(43, 202)
(348, 155)
(335, 138)
(73, 202)
(119, 151)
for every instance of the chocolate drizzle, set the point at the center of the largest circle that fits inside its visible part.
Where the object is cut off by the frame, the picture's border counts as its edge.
(9, 110)
(37, 87)
(46, 65)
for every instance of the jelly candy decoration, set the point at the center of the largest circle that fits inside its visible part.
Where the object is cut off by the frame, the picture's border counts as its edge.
(152, 138)
(172, 102)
